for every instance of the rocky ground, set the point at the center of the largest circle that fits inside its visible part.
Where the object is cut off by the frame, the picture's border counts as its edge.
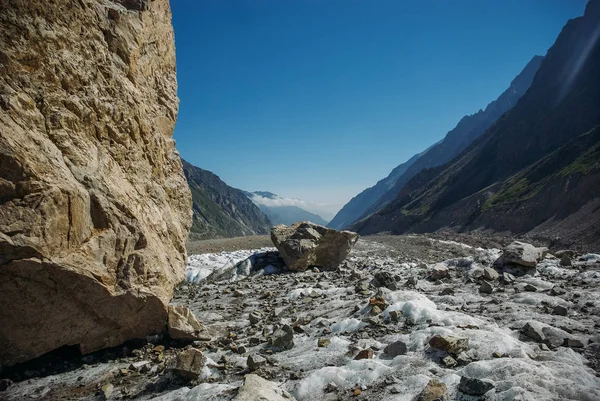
(404, 318)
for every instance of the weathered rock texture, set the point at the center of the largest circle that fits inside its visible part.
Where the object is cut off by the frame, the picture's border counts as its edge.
(94, 207)
(305, 244)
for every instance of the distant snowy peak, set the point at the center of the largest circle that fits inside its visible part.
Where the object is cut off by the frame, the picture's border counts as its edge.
(282, 210)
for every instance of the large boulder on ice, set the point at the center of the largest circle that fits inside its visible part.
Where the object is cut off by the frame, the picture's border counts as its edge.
(304, 244)
(94, 207)
(522, 254)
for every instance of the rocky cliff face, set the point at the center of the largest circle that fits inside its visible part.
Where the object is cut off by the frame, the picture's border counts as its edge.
(456, 140)
(94, 207)
(535, 171)
(220, 210)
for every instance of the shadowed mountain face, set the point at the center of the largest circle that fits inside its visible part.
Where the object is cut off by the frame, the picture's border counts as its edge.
(220, 210)
(536, 171)
(466, 131)
(280, 213)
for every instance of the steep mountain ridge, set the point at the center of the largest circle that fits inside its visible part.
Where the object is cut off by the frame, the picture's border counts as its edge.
(220, 210)
(466, 131)
(533, 172)
(282, 214)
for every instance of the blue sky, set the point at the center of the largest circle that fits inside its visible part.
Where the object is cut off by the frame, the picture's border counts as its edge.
(320, 99)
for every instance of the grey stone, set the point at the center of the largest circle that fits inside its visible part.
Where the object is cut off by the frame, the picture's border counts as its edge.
(472, 386)
(255, 361)
(396, 348)
(490, 274)
(283, 337)
(560, 310)
(486, 288)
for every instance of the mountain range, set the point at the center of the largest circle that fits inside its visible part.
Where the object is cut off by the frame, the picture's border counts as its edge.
(275, 207)
(456, 140)
(534, 172)
(219, 210)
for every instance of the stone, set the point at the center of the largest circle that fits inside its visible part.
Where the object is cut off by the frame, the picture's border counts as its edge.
(395, 315)
(434, 391)
(449, 362)
(95, 209)
(523, 254)
(530, 288)
(472, 386)
(384, 279)
(255, 361)
(508, 278)
(533, 330)
(189, 364)
(451, 344)
(254, 318)
(304, 244)
(560, 310)
(490, 274)
(486, 288)
(183, 325)
(107, 390)
(5, 384)
(439, 271)
(364, 354)
(566, 261)
(396, 348)
(447, 291)
(323, 342)
(573, 343)
(283, 337)
(256, 388)
(565, 252)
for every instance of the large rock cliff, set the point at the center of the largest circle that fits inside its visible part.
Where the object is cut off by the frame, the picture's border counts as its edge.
(94, 207)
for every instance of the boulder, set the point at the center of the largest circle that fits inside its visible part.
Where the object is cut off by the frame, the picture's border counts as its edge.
(256, 388)
(304, 244)
(94, 207)
(189, 364)
(183, 325)
(523, 254)
(486, 288)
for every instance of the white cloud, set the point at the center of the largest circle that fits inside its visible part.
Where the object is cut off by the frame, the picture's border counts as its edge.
(324, 210)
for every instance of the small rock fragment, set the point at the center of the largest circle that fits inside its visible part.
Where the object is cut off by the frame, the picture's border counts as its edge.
(490, 274)
(364, 354)
(323, 342)
(451, 344)
(434, 391)
(255, 361)
(449, 361)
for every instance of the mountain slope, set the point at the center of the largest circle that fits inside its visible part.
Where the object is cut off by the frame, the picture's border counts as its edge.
(279, 213)
(358, 205)
(220, 210)
(535, 170)
(466, 131)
